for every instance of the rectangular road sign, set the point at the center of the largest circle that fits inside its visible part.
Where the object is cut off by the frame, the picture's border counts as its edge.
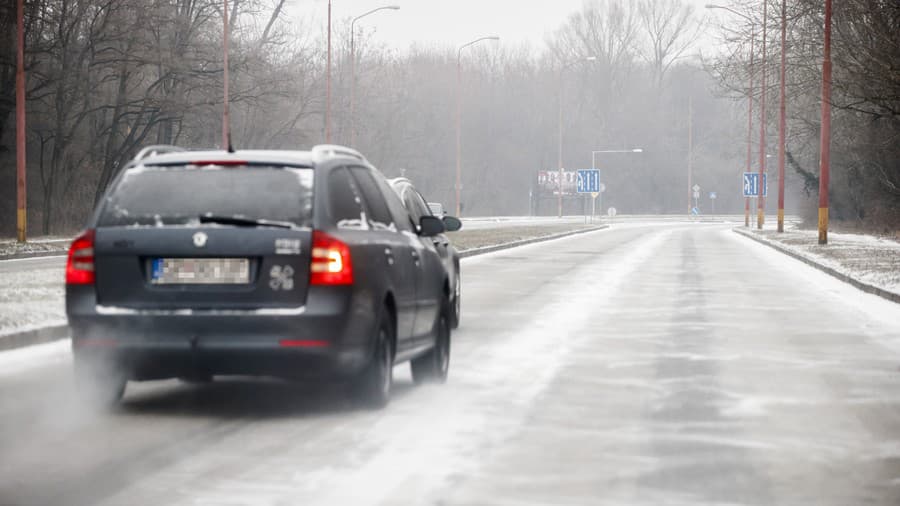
(588, 181)
(751, 184)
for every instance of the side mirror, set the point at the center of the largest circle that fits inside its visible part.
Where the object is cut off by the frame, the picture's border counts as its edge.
(452, 223)
(430, 226)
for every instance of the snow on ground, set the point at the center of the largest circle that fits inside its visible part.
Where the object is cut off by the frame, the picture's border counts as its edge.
(31, 295)
(10, 247)
(870, 259)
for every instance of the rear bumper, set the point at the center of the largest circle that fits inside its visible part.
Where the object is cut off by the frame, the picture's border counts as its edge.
(331, 337)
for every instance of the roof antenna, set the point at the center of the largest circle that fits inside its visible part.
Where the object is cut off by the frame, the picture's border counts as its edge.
(226, 126)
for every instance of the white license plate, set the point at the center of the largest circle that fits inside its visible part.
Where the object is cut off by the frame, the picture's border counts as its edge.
(200, 271)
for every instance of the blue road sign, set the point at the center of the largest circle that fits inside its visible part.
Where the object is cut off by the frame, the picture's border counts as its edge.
(751, 184)
(588, 181)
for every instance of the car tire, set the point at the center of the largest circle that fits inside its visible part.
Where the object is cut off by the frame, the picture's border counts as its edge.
(99, 383)
(433, 366)
(457, 302)
(372, 388)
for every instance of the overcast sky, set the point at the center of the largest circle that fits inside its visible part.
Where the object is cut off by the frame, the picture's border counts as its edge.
(450, 22)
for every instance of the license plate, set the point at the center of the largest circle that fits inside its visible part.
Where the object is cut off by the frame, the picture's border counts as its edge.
(200, 271)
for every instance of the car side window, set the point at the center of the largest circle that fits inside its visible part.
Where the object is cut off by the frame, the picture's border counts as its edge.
(410, 203)
(344, 200)
(379, 214)
(421, 204)
(401, 216)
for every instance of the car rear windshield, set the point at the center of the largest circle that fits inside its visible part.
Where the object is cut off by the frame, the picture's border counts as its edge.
(157, 196)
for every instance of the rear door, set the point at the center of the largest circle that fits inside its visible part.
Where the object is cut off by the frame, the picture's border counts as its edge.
(430, 284)
(402, 261)
(196, 238)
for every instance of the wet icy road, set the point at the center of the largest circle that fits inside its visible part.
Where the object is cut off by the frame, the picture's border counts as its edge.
(671, 364)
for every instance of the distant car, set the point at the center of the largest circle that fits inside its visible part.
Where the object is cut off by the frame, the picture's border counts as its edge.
(418, 209)
(291, 264)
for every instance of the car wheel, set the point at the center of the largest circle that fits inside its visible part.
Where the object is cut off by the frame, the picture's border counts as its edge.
(433, 366)
(457, 301)
(99, 383)
(373, 387)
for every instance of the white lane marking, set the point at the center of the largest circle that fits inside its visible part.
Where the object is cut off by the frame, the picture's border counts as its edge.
(424, 444)
(796, 273)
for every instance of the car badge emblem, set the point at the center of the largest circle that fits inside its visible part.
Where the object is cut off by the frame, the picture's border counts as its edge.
(200, 239)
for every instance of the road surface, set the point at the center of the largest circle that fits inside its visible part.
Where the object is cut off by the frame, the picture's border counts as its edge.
(643, 364)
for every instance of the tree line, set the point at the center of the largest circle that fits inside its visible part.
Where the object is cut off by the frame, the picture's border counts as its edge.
(106, 77)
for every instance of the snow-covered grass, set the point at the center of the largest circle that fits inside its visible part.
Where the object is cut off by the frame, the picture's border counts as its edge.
(9, 247)
(869, 259)
(31, 296)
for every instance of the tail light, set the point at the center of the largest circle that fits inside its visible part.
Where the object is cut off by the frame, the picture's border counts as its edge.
(80, 265)
(330, 263)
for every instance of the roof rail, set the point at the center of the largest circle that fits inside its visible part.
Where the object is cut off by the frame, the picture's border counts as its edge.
(157, 150)
(329, 150)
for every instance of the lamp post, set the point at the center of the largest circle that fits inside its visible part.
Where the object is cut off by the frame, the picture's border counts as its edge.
(562, 71)
(825, 139)
(21, 208)
(594, 166)
(459, 115)
(353, 68)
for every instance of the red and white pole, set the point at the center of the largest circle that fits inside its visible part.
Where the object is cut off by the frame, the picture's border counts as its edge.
(825, 140)
(226, 121)
(749, 126)
(328, 83)
(760, 199)
(21, 187)
(781, 119)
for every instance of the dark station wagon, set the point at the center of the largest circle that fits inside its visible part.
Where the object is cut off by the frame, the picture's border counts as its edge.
(294, 264)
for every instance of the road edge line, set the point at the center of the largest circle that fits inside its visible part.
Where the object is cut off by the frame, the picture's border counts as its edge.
(523, 242)
(872, 289)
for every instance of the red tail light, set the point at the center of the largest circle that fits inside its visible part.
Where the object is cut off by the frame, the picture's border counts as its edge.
(80, 266)
(330, 263)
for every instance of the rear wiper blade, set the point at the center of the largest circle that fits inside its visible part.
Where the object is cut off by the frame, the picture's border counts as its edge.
(243, 222)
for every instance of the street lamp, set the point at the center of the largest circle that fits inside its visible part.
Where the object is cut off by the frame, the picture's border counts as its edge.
(562, 71)
(353, 68)
(459, 115)
(594, 167)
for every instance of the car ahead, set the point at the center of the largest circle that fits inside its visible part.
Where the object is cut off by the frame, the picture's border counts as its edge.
(293, 264)
(418, 209)
(437, 209)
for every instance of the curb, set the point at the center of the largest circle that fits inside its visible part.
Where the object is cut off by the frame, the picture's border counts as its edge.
(33, 254)
(497, 247)
(874, 290)
(32, 337)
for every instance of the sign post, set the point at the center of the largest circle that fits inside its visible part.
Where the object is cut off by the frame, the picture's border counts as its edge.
(588, 181)
(712, 200)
